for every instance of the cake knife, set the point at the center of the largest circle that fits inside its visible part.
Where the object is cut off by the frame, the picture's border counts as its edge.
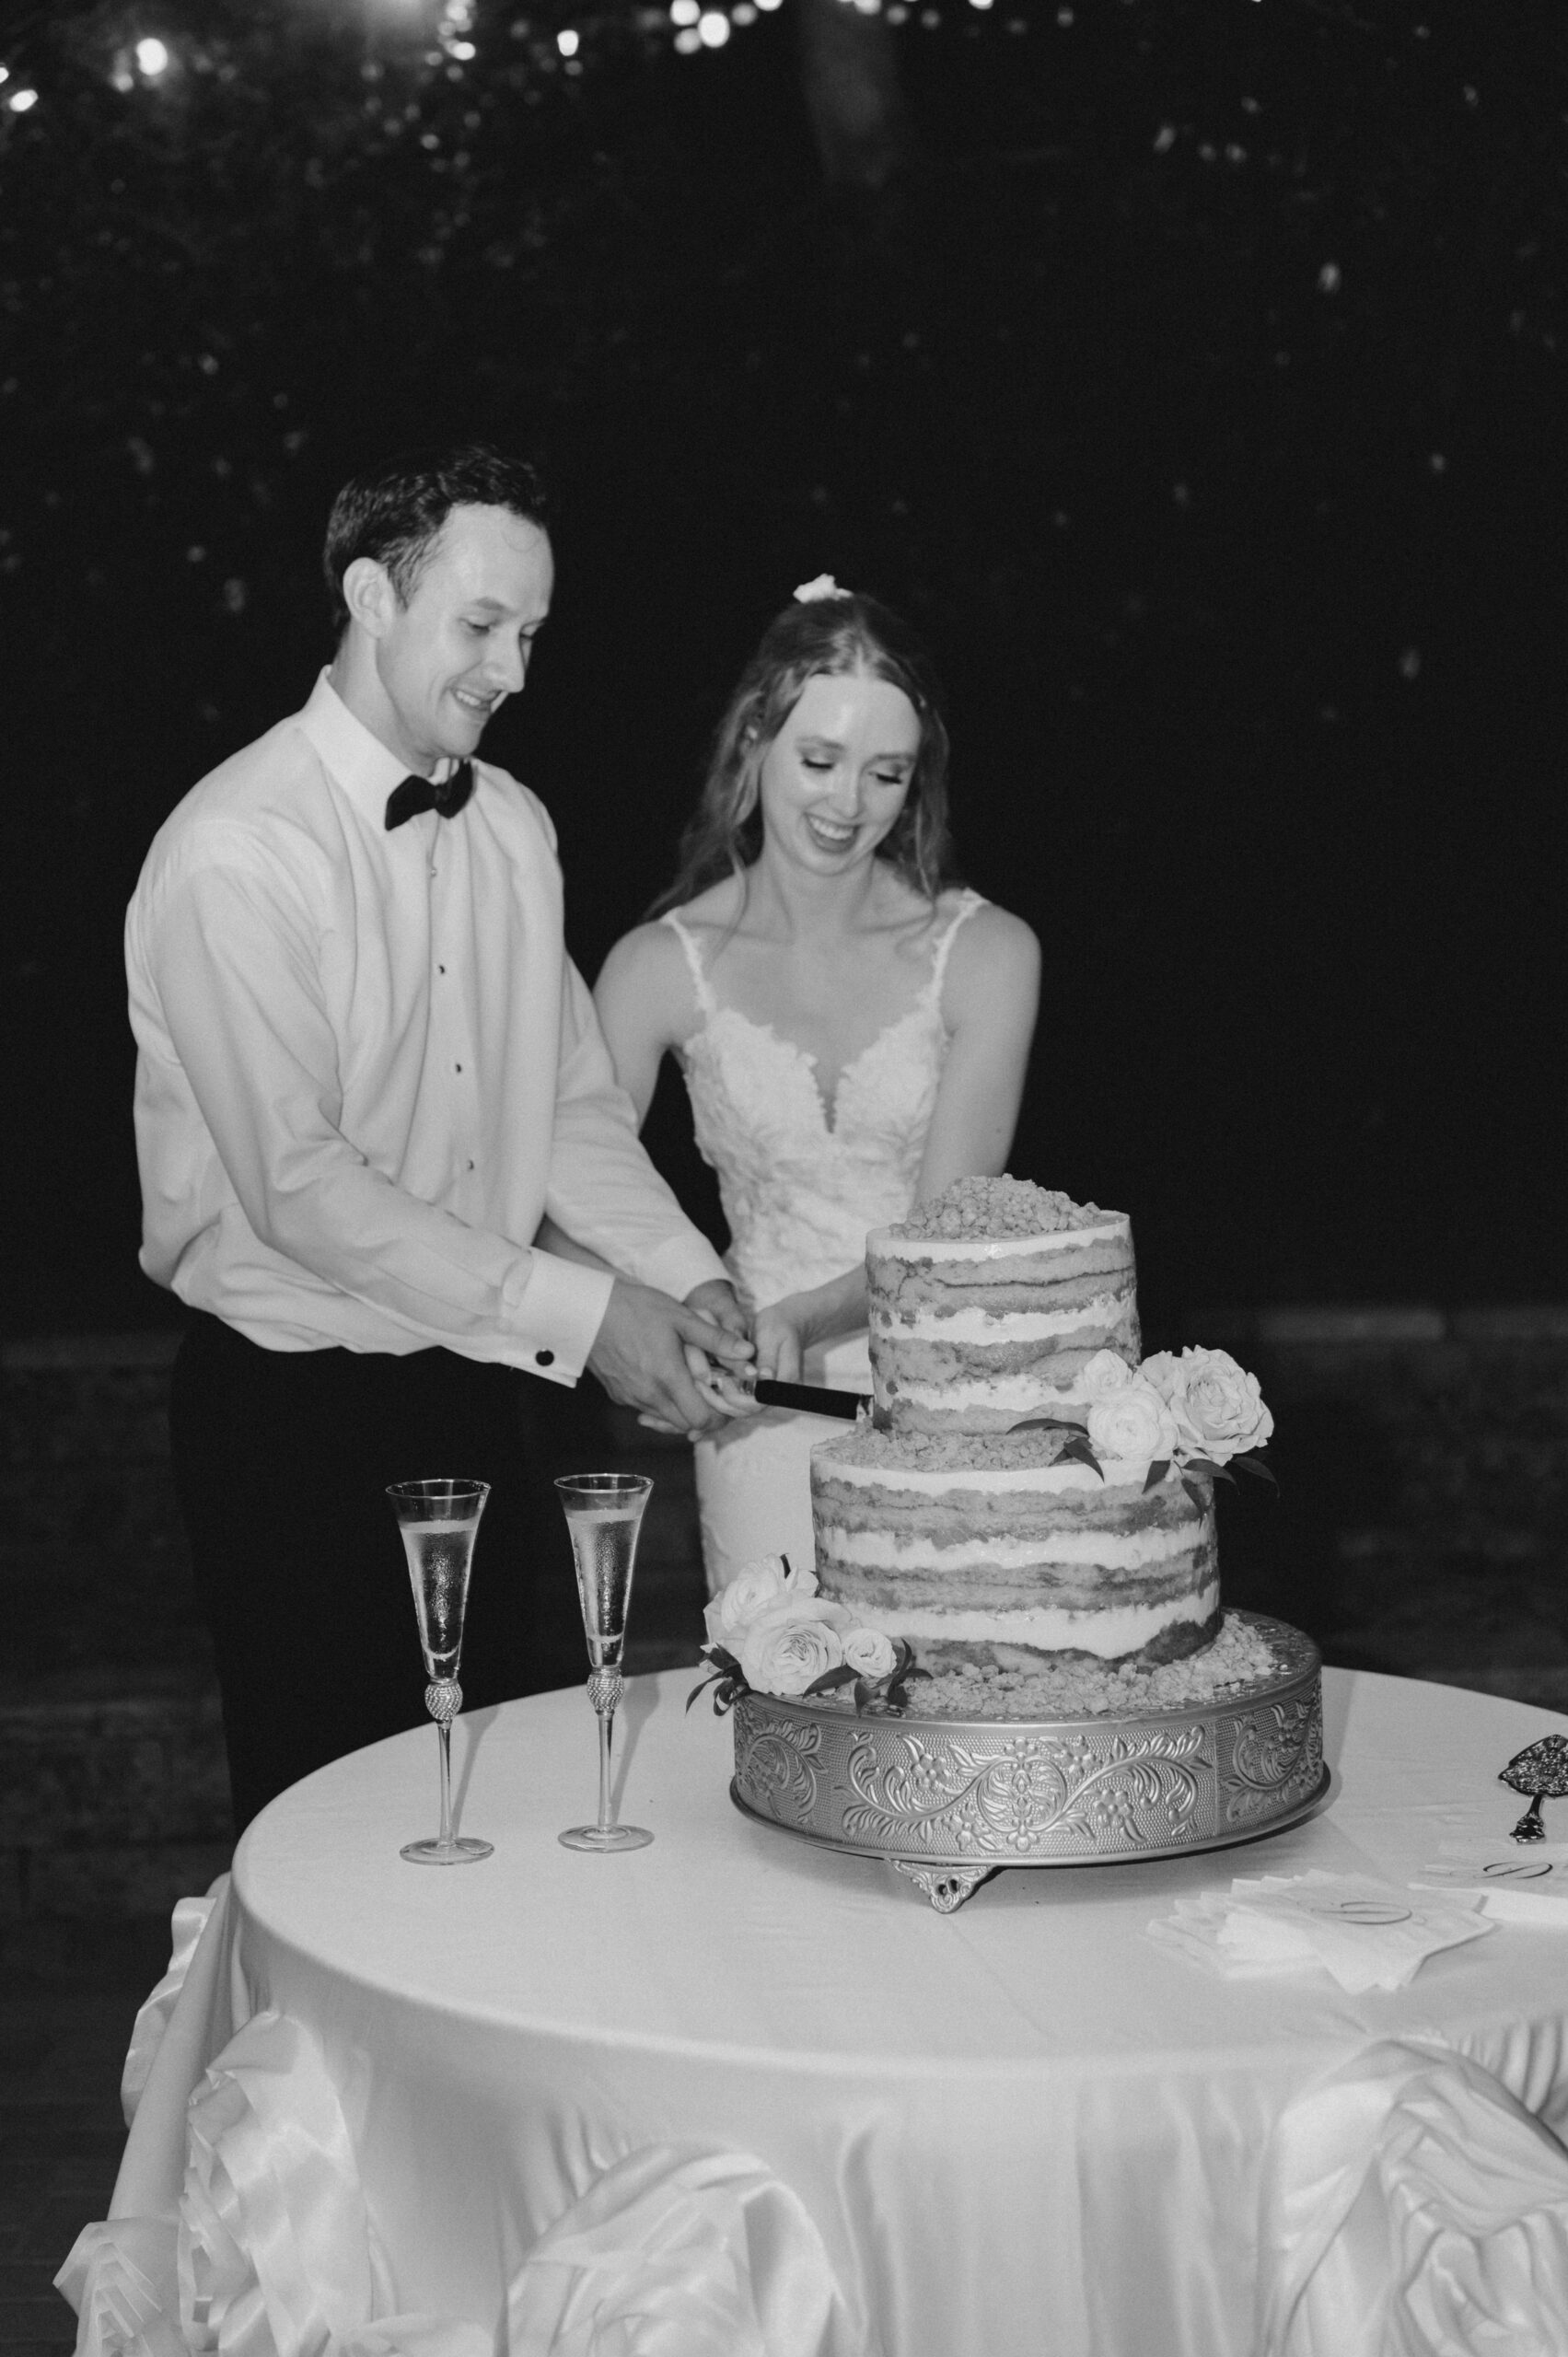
(814, 1398)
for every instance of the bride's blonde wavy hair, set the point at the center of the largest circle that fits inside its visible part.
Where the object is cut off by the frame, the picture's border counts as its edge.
(831, 635)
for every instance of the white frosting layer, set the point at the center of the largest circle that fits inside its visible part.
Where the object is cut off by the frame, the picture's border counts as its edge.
(934, 1481)
(888, 1551)
(976, 1325)
(883, 1244)
(1109, 1634)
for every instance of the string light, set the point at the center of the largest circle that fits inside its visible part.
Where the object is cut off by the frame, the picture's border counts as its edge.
(689, 25)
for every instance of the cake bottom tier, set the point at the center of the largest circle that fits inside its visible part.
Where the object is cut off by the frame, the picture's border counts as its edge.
(1011, 1566)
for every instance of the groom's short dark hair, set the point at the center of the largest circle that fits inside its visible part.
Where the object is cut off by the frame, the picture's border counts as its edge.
(395, 513)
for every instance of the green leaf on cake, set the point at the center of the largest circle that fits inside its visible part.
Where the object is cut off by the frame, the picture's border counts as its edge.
(727, 1677)
(1157, 1474)
(840, 1676)
(896, 1689)
(1075, 1449)
(1256, 1463)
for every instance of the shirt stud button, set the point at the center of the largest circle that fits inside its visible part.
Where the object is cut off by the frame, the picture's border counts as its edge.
(545, 1358)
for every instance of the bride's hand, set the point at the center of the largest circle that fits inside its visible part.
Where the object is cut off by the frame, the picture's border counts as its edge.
(780, 1333)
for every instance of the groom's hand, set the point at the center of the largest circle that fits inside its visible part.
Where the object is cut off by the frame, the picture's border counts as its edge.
(639, 1352)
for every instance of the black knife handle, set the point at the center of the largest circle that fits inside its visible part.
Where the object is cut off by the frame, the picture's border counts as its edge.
(815, 1398)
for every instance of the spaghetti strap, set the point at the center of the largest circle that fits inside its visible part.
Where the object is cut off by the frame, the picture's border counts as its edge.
(707, 1004)
(966, 908)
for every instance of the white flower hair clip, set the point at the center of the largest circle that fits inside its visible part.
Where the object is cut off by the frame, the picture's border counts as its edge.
(823, 587)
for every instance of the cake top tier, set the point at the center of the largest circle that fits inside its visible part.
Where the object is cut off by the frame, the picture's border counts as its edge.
(980, 1208)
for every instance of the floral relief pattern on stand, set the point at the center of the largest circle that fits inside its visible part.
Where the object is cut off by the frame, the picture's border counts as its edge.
(1277, 1755)
(1119, 1791)
(777, 1766)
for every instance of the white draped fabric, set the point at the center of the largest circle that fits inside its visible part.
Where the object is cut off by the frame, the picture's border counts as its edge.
(732, 2093)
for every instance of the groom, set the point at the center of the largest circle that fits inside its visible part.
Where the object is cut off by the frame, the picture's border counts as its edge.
(366, 1070)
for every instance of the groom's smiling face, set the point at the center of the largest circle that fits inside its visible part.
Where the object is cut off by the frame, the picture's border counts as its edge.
(446, 660)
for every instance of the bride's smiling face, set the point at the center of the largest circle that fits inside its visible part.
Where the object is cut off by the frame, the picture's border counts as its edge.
(834, 779)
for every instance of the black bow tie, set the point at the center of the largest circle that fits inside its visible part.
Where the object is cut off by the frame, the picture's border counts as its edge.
(417, 793)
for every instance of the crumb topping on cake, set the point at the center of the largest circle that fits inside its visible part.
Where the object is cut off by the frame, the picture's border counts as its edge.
(996, 1207)
(1239, 1655)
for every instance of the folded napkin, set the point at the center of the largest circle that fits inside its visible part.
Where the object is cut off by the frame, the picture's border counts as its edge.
(1367, 1934)
(1515, 1883)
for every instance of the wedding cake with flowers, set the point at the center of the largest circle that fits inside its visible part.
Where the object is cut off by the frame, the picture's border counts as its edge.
(1024, 1523)
(1027, 1515)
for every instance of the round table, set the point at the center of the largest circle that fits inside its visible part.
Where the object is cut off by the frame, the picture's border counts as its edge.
(1023, 2127)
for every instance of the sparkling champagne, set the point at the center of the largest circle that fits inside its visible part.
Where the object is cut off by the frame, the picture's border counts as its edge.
(604, 1546)
(438, 1521)
(439, 1557)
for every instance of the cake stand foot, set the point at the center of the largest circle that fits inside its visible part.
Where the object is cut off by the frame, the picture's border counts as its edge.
(946, 1887)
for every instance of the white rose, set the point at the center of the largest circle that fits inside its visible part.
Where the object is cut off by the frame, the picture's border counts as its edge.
(754, 1587)
(1218, 1407)
(1106, 1373)
(1162, 1370)
(1133, 1422)
(785, 1649)
(868, 1653)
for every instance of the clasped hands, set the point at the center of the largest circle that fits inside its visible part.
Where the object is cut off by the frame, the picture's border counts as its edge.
(690, 1366)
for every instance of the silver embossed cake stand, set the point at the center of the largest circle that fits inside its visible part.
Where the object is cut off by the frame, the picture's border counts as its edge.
(948, 1802)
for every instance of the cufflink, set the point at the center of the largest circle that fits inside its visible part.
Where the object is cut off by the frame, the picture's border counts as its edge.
(545, 1358)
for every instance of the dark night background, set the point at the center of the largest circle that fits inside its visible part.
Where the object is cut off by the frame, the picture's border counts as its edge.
(1191, 372)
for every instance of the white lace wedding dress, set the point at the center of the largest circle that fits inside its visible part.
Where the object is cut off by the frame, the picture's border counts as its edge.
(802, 1182)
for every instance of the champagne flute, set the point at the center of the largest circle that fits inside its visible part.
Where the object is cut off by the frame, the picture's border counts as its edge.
(604, 1513)
(438, 1520)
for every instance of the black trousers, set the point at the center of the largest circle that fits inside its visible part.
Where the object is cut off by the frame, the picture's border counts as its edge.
(281, 1462)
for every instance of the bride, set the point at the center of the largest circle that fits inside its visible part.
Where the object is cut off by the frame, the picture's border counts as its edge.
(853, 1027)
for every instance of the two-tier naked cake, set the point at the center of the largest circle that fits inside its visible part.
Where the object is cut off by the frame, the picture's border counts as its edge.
(1029, 1508)
(979, 1542)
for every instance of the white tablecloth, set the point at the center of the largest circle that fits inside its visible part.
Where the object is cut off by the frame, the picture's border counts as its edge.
(1020, 2128)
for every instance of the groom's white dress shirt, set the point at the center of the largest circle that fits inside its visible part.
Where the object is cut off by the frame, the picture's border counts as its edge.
(367, 1067)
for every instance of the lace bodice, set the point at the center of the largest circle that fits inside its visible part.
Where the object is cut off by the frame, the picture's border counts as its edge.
(802, 1182)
